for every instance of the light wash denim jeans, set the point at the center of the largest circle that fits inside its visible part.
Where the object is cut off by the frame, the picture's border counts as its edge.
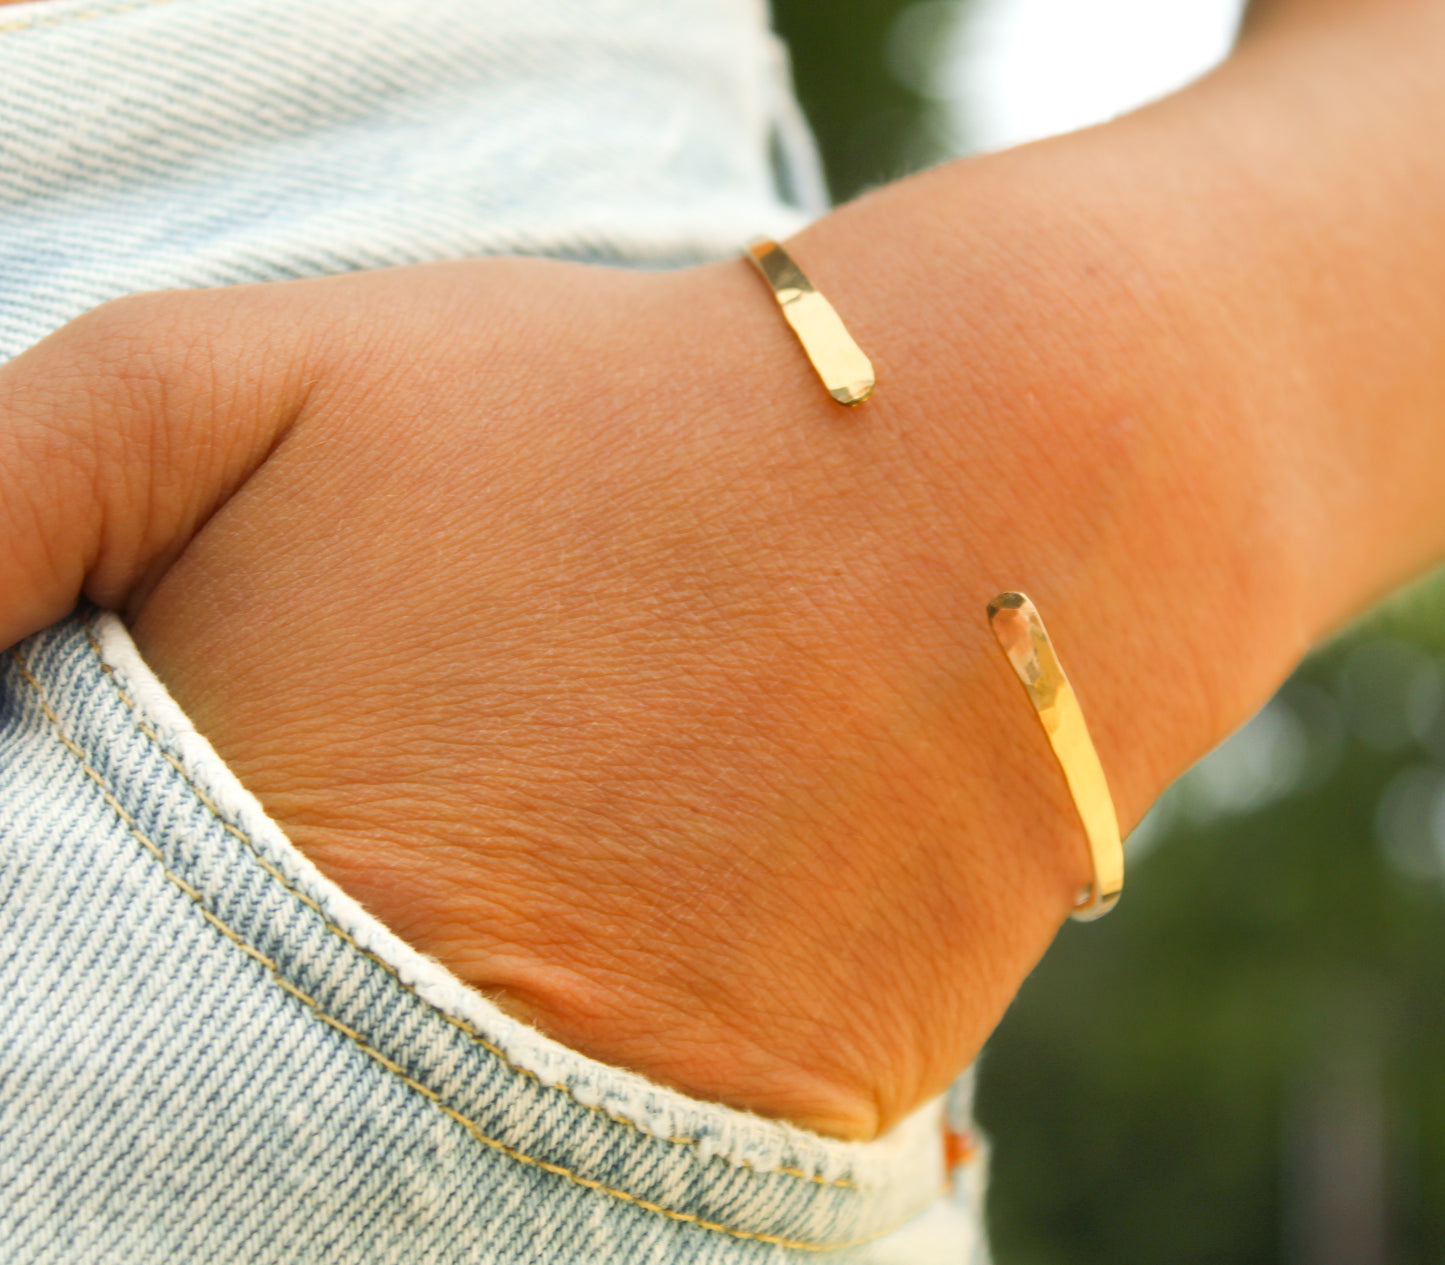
(208, 1052)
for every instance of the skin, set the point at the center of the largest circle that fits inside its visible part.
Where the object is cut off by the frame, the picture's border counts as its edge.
(649, 690)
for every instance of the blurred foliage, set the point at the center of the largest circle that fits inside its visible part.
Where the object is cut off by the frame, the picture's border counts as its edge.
(1245, 1064)
(1246, 1061)
(872, 123)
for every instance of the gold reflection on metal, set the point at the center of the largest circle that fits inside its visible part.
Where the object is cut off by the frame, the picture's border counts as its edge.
(1021, 633)
(845, 370)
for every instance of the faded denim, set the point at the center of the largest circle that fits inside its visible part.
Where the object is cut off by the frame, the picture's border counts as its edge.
(209, 1053)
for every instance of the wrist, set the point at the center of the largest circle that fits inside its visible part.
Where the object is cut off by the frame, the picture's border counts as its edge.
(1062, 371)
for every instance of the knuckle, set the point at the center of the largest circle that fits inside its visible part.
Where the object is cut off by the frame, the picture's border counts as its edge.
(92, 398)
(130, 343)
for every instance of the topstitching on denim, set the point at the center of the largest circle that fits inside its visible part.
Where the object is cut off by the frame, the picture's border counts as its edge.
(742, 1140)
(431, 1095)
(369, 1047)
(330, 925)
(359, 1038)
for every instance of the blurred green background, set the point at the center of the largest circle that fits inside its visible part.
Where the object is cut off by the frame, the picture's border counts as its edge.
(853, 73)
(1246, 1062)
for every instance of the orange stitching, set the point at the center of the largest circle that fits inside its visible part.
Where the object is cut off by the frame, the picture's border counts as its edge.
(425, 1091)
(489, 1046)
(65, 19)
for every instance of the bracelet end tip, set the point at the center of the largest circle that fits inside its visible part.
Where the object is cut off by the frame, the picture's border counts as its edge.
(1091, 907)
(852, 394)
(1009, 601)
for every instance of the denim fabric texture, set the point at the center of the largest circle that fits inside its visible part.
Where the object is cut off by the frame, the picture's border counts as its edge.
(208, 1052)
(146, 144)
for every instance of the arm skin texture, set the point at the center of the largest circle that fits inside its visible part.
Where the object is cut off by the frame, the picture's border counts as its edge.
(652, 692)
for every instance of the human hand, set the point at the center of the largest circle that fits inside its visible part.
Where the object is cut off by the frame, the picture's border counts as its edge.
(560, 617)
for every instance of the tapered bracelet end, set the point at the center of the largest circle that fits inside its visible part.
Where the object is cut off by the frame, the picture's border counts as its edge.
(1030, 651)
(846, 372)
(853, 392)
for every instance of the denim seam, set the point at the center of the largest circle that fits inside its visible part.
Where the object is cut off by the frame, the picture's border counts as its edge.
(85, 15)
(376, 1055)
(462, 1024)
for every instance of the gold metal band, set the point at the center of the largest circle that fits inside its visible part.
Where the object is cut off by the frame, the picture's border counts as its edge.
(845, 370)
(1020, 631)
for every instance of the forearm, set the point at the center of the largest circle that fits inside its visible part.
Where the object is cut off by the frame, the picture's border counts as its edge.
(1223, 317)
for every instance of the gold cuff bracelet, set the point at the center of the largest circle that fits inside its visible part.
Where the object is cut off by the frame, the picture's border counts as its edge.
(1020, 631)
(845, 370)
(848, 375)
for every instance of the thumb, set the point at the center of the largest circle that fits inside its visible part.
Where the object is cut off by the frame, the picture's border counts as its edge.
(121, 433)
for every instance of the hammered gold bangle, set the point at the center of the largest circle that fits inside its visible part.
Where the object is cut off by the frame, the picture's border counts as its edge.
(1020, 631)
(840, 362)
